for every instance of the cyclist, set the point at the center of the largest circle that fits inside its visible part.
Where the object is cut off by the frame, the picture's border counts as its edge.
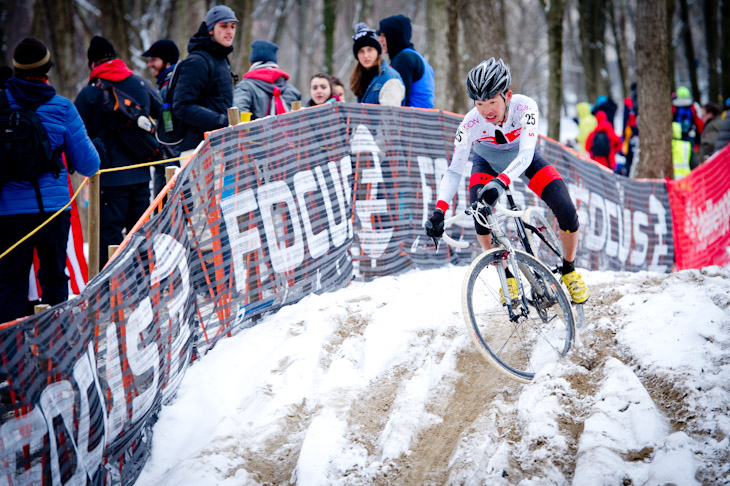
(502, 128)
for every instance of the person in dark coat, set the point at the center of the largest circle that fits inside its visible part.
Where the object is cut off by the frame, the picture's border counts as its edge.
(19, 206)
(711, 118)
(204, 89)
(415, 72)
(723, 135)
(264, 89)
(124, 194)
(606, 105)
(162, 59)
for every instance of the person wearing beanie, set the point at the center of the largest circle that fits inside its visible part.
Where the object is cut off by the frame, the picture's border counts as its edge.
(686, 113)
(606, 105)
(124, 194)
(22, 209)
(372, 80)
(264, 89)
(417, 74)
(163, 56)
(204, 87)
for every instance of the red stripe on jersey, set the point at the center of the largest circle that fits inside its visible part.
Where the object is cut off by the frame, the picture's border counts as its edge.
(479, 178)
(543, 177)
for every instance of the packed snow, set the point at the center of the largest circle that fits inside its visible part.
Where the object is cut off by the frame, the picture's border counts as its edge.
(380, 383)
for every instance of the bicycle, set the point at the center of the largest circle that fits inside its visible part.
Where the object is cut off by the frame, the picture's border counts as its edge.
(519, 336)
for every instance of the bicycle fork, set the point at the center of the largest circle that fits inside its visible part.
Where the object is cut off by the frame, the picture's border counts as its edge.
(501, 272)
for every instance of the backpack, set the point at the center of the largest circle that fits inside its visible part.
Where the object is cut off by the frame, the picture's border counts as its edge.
(25, 147)
(601, 144)
(685, 117)
(171, 129)
(128, 121)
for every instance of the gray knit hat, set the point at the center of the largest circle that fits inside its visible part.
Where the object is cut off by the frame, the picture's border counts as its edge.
(219, 13)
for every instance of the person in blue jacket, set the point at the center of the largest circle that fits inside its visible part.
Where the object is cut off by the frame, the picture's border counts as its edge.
(20, 211)
(414, 70)
(372, 80)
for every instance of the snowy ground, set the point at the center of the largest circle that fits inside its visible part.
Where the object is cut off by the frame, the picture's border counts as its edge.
(380, 384)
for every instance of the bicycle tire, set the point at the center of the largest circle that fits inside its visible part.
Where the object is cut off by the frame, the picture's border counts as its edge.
(517, 349)
(537, 247)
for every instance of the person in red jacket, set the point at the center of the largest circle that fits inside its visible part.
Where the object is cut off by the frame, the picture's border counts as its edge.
(603, 143)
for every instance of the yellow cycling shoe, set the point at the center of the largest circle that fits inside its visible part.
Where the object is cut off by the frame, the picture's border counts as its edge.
(576, 286)
(513, 292)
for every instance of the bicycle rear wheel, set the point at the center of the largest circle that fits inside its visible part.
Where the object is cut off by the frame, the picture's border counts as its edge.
(542, 330)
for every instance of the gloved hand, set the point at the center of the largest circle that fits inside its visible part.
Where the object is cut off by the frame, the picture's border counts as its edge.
(435, 224)
(491, 192)
(100, 148)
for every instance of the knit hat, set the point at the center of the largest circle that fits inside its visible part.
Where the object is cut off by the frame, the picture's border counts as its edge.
(219, 13)
(365, 36)
(165, 49)
(263, 51)
(31, 58)
(684, 98)
(100, 48)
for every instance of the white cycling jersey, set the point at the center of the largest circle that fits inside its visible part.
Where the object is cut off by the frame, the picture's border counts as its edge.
(508, 148)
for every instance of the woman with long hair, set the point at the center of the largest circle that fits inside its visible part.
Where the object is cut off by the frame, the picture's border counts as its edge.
(372, 80)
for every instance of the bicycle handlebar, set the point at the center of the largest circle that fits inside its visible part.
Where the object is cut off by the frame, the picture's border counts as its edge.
(469, 211)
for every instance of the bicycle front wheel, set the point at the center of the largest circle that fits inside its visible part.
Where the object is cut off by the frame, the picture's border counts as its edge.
(541, 328)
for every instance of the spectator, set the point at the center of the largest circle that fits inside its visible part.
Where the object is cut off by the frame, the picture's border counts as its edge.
(415, 72)
(629, 136)
(606, 105)
(163, 56)
(723, 135)
(685, 113)
(603, 143)
(682, 153)
(320, 89)
(372, 80)
(22, 209)
(204, 87)
(586, 124)
(124, 194)
(338, 88)
(264, 89)
(711, 120)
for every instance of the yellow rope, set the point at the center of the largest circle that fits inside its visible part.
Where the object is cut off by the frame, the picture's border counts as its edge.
(46, 221)
(146, 164)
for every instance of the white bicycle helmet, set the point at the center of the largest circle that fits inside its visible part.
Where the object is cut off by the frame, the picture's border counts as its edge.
(488, 79)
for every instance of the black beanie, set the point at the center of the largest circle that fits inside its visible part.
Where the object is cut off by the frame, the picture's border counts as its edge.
(31, 58)
(365, 36)
(165, 49)
(100, 48)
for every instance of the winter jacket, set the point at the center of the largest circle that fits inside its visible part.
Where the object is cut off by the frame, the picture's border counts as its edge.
(264, 91)
(723, 135)
(709, 138)
(204, 88)
(415, 72)
(606, 105)
(89, 102)
(681, 153)
(586, 123)
(613, 140)
(63, 127)
(388, 83)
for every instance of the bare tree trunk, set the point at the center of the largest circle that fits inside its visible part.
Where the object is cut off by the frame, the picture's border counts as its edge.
(437, 46)
(459, 101)
(725, 51)
(654, 90)
(711, 28)
(244, 12)
(671, 7)
(483, 23)
(618, 27)
(115, 27)
(689, 50)
(54, 21)
(17, 27)
(592, 30)
(554, 14)
(283, 8)
(329, 35)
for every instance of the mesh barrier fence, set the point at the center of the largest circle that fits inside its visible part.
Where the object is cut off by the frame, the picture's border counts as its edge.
(264, 214)
(700, 205)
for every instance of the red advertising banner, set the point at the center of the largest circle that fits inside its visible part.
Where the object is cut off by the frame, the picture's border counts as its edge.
(700, 205)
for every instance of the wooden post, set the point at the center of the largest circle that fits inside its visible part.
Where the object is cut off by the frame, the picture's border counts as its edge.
(296, 105)
(38, 308)
(93, 226)
(112, 249)
(233, 116)
(169, 172)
